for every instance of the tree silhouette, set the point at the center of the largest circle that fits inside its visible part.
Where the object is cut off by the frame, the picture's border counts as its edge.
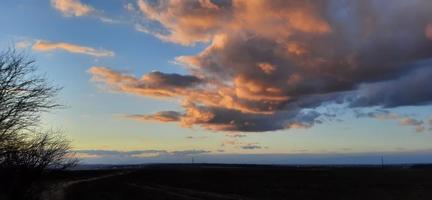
(25, 150)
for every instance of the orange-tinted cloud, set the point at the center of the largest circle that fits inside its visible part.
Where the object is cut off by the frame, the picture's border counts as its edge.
(189, 22)
(297, 125)
(267, 64)
(72, 7)
(191, 88)
(154, 84)
(418, 124)
(266, 67)
(46, 46)
(428, 31)
(76, 8)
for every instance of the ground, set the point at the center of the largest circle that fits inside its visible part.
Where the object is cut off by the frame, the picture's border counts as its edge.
(248, 182)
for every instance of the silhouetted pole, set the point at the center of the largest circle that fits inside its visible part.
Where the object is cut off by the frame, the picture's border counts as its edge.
(382, 161)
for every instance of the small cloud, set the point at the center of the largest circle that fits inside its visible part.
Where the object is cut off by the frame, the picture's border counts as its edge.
(296, 125)
(235, 135)
(387, 115)
(129, 7)
(418, 124)
(251, 146)
(47, 46)
(407, 121)
(242, 145)
(196, 137)
(141, 28)
(189, 152)
(420, 129)
(75, 8)
(229, 143)
(109, 20)
(267, 68)
(163, 116)
(72, 7)
(23, 44)
(378, 114)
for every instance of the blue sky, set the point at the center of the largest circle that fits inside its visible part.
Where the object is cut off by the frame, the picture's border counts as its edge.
(362, 104)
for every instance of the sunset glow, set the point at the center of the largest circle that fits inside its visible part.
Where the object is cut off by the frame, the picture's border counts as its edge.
(237, 81)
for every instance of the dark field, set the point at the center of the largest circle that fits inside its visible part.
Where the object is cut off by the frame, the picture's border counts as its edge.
(250, 182)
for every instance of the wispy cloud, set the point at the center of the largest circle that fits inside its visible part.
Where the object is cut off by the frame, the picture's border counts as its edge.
(402, 120)
(23, 44)
(76, 8)
(189, 152)
(105, 154)
(47, 46)
(242, 145)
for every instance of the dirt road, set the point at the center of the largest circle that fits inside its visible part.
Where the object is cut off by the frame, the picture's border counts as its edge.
(57, 191)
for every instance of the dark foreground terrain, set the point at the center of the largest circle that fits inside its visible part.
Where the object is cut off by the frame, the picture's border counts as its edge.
(247, 182)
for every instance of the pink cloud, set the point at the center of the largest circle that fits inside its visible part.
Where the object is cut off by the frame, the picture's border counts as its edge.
(72, 7)
(46, 46)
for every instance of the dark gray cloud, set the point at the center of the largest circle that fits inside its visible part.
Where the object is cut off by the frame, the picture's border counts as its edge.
(270, 71)
(220, 119)
(251, 146)
(196, 137)
(163, 116)
(379, 113)
(411, 89)
(169, 79)
(155, 84)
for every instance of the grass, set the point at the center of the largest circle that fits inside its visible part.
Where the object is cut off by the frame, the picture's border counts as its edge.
(254, 182)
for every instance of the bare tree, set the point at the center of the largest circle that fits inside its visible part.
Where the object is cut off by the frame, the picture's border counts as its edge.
(40, 151)
(25, 150)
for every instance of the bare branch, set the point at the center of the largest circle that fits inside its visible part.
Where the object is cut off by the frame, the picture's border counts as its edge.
(24, 150)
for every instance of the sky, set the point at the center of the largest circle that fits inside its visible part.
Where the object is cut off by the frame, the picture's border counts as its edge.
(233, 81)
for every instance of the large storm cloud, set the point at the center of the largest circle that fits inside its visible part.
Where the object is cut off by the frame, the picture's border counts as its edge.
(268, 64)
